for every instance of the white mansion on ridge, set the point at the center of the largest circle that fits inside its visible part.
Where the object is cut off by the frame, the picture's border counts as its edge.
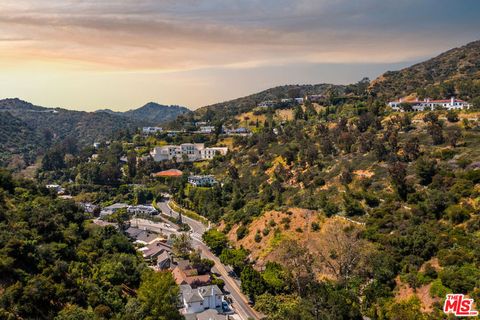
(427, 104)
(186, 152)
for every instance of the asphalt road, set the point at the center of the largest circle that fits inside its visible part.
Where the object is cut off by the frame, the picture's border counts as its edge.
(240, 302)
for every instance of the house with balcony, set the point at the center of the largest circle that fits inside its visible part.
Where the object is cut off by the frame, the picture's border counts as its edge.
(186, 152)
(202, 181)
(427, 104)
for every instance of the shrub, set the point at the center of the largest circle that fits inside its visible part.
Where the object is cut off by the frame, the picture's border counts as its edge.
(438, 289)
(315, 226)
(258, 237)
(242, 231)
(266, 231)
(299, 230)
(457, 214)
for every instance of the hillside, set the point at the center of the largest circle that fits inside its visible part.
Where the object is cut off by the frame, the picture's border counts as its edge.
(17, 138)
(37, 127)
(26, 129)
(151, 113)
(455, 72)
(228, 109)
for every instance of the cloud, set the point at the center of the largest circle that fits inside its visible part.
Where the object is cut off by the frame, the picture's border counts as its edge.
(174, 35)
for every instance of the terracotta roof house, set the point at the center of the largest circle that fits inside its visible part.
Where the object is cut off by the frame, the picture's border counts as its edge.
(171, 173)
(190, 277)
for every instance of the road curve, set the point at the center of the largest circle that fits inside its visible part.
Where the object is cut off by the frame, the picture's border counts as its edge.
(240, 302)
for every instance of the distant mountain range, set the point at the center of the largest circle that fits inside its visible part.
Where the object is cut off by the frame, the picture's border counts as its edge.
(26, 129)
(24, 126)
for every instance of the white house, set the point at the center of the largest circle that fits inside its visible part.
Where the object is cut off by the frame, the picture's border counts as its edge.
(427, 104)
(201, 298)
(202, 181)
(142, 209)
(207, 129)
(186, 152)
(209, 153)
(151, 130)
(57, 188)
(266, 104)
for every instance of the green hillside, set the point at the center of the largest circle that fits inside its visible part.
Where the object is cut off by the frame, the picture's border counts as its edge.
(455, 72)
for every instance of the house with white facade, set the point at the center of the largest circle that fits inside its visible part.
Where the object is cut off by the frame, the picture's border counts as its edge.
(202, 181)
(142, 209)
(266, 104)
(151, 130)
(427, 104)
(55, 187)
(200, 299)
(207, 129)
(186, 152)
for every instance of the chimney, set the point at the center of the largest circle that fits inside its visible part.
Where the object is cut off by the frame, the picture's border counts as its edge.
(452, 100)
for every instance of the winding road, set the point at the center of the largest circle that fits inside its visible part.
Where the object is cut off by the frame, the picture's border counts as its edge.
(240, 302)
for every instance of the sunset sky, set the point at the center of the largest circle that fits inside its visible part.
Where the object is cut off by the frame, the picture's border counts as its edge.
(120, 54)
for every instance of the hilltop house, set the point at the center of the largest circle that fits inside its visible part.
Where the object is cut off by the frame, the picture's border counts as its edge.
(186, 152)
(266, 104)
(427, 104)
(200, 299)
(202, 181)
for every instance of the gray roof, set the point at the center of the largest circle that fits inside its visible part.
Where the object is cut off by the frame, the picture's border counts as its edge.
(133, 232)
(116, 206)
(156, 248)
(146, 236)
(210, 314)
(163, 256)
(206, 291)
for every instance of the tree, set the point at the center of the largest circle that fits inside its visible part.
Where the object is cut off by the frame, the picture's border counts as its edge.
(237, 258)
(215, 240)
(281, 307)
(453, 136)
(299, 114)
(299, 263)
(407, 309)
(452, 116)
(398, 174)
(342, 251)
(411, 149)
(132, 164)
(252, 282)
(425, 169)
(158, 294)
(53, 160)
(202, 265)
(182, 245)
(436, 132)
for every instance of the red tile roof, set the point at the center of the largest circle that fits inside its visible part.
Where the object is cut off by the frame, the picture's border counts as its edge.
(168, 173)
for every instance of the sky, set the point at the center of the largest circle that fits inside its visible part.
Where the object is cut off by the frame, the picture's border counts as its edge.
(121, 54)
